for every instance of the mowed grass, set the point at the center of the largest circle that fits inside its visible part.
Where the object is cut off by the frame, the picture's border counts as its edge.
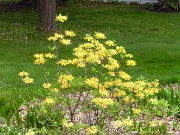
(153, 38)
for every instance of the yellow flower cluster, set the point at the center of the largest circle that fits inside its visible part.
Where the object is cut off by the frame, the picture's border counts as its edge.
(136, 111)
(155, 123)
(99, 35)
(61, 18)
(128, 55)
(70, 33)
(119, 93)
(103, 91)
(95, 52)
(40, 58)
(68, 124)
(50, 55)
(110, 43)
(128, 99)
(60, 37)
(152, 124)
(103, 102)
(49, 101)
(27, 80)
(118, 123)
(128, 122)
(56, 37)
(91, 130)
(131, 63)
(112, 64)
(120, 49)
(46, 85)
(153, 101)
(64, 80)
(142, 89)
(93, 82)
(25, 77)
(125, 122)
(65, 41)
(23, 73)
(55, 90)
(124, 75)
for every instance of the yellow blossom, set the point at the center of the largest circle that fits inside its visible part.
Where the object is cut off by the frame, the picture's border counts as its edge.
(46, 85)
(148, 92)
(67, 77)
(80, 64)
(50, 55)
(140, 95)
(156, 90)
(119, 93)
(70, 33)
(23, 73)
(27, 80)
(111, 52)
(65, 80)
(93, 82)
(58, 36)
(55, 90)
(160, 123)
(118, 123)
(68, 124)
(128, 122)
(88, 37)
(155, 83)
(124, 75)
(110, 43)
(39, 61)
(53, 38)
(131, 63)
(108, 84)
(64, 62)
(37, 56)
(103, 91)
(65, 41)
(153, 101)
(103, 102)
(137, 111)
(111, 73)
(128, 55)
(61, 18)
(127, 99)
(99, 35)
(112, 64)
(49, 101)
(152, 124)
(120, 49)
(91, 130)
(117, 82)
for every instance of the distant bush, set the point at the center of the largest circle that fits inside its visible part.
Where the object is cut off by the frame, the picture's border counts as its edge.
(167, 5)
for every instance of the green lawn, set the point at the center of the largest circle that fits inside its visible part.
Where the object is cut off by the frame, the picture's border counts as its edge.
(153, 38)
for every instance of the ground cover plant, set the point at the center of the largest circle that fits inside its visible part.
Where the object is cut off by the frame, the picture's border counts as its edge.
(39, 97)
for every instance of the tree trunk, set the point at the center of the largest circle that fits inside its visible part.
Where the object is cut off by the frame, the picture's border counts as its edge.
(47, 15)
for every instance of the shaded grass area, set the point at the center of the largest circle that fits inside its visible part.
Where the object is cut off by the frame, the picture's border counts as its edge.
(153, 38)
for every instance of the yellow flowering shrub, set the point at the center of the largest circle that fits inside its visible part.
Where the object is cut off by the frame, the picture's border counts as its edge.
(103, 91)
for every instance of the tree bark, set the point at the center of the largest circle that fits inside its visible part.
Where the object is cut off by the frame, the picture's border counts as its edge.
(47, 15)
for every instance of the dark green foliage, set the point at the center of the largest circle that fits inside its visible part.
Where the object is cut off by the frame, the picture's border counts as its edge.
(167, 5)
